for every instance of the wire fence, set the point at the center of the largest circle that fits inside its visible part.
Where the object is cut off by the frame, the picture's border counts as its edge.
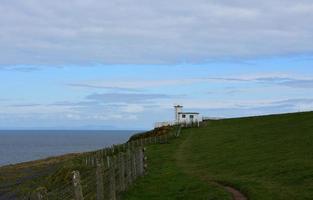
(105, 173)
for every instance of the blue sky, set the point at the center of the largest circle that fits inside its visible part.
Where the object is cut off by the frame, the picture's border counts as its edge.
(62, 68)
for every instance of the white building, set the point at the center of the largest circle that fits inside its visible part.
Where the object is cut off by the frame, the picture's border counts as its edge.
(186, 118)
(183, 118)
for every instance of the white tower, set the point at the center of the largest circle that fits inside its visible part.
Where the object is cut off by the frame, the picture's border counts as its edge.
(178, 108)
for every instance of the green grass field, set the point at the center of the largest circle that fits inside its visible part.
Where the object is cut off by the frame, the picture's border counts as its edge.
(266, 158)
(166, 180)
(269, 157)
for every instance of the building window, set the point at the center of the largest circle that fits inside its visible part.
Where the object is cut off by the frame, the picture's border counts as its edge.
(183, 116)
(191, 116)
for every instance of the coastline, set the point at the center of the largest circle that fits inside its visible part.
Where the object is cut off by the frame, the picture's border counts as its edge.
(27, 145)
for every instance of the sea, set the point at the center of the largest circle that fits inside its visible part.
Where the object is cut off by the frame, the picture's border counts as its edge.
(20, 146)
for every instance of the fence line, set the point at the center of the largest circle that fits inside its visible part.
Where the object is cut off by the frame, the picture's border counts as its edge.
(106, 173)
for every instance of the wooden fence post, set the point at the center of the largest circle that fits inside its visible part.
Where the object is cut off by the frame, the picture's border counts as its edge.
(128, 167)
(92, 161)
(134, 163)
(140, 162)
(117, 173)
(78, 192)
(99, 178)
(121, 168)
(89, 160)
(112, 187)
(137, 161)
(145, 164)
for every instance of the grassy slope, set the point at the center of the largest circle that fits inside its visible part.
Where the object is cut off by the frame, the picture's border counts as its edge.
(21, 179)
(165, 180)
(268, 157)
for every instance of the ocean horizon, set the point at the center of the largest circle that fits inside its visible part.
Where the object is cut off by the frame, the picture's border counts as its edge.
(18, 146)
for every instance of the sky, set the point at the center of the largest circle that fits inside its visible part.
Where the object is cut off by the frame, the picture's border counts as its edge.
(91, 64)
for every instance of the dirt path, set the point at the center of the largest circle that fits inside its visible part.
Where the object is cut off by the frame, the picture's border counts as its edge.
(236, 194)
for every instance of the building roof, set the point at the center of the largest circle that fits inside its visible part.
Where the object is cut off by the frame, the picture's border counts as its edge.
(196, 113)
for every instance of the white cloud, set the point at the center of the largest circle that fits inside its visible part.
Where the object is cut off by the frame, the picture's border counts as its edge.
(34, 108)
(127, 97)
(292, 81)
(133, 108)
(132, 85)
(73, 116)
(135, 31)
(282, 79)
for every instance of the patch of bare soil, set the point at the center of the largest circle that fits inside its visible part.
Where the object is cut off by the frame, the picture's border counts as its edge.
(236, 194)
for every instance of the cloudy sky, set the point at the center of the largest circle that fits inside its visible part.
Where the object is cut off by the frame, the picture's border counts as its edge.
(90, 64)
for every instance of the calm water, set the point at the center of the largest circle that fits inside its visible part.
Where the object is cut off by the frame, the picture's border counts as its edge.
(20, 146)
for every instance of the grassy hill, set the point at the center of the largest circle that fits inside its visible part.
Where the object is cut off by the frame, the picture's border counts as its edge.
(268, 157)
